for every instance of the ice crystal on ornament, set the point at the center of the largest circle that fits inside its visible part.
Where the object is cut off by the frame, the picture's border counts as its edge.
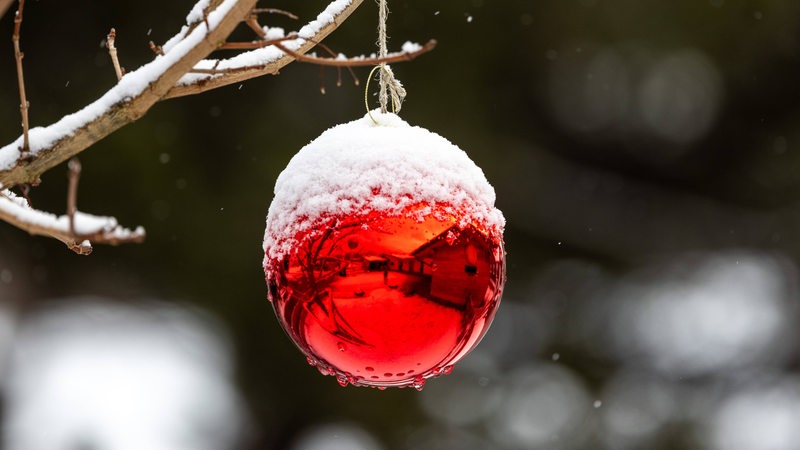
(384, 253)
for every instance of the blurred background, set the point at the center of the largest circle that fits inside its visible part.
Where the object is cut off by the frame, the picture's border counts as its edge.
(646, 156)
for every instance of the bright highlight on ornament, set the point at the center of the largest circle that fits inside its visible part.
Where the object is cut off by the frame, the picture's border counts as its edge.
(384, 253)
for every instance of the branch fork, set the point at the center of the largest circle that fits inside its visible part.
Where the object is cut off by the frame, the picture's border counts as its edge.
(179, 68)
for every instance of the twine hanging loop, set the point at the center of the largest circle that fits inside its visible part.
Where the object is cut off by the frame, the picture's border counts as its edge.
(389, 85)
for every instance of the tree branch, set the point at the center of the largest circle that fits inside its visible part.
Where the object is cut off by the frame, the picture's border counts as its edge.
(266, 61)
(76, 232)
(179, 68)
(406, 55)
(165, 77)
(124, 103)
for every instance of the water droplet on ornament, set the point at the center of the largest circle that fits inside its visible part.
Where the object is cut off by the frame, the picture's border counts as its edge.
(341, 346)
(342, 380)
(369, 369)
(418, 383)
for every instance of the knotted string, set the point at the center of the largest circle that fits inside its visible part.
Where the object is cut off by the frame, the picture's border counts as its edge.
(389, 85)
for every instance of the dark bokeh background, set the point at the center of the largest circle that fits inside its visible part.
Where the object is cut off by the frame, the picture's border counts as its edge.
(645, 155)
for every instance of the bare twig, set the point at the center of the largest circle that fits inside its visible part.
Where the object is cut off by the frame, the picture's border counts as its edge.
(156, 49)
(254, 44)
(339, 68)
(334, 60)
(23, 101)
(252, 22)
(112, 51)
(73, 176)
(274, 11)
(355, 62)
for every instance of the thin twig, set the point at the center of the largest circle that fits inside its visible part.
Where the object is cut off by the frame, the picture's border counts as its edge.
(356, 62)
(73, 176)
(356, 81)
(275, 11)
(23, 101)
(254, 25)
(254, 44)
(252, 22)
(156, 49)
(333, 61)
(112, 51)
(322, 79)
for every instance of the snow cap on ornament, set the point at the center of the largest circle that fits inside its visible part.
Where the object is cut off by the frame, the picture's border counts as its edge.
(376, 163)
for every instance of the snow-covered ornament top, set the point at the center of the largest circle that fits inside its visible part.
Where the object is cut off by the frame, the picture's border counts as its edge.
(384, 252)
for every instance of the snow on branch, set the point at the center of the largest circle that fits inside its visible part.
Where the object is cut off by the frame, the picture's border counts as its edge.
(77, 230)
(410, 51)
(127, 101)
(265, 58)
(180, 68)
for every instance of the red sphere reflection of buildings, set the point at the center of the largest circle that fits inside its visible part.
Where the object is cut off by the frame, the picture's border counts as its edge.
(388, 300)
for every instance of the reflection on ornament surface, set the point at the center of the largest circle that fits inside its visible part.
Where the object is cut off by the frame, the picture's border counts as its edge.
(388, 300)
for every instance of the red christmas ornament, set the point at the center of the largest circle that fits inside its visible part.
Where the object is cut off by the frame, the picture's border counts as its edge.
(384, 253)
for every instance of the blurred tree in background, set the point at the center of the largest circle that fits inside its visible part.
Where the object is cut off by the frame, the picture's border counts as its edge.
(646, 156)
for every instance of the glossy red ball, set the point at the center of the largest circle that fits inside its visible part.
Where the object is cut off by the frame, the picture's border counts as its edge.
(383, 252)
(385, 299)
